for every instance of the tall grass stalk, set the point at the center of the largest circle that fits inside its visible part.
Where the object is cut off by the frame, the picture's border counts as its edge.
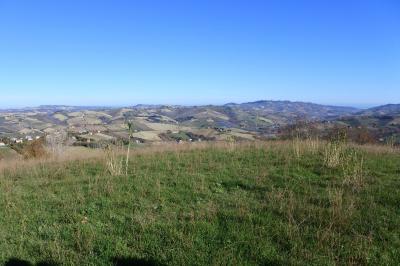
(113, 160)
(297, 146)
(130, 129)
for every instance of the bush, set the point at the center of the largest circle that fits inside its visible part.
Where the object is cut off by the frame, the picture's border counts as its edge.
(34, 149)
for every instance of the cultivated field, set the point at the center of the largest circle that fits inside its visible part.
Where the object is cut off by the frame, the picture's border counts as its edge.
(259, 203)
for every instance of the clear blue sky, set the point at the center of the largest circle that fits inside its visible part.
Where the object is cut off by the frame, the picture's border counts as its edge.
(97, 52)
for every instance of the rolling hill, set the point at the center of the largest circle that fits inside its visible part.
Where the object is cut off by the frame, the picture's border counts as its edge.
(248, 120)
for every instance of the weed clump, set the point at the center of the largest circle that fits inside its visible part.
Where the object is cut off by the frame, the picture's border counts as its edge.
(353, 169)
(113, 160)
(335, 149)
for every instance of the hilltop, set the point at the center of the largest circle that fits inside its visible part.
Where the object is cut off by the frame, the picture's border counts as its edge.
(381, 122)
(388, 109)
(264, 203)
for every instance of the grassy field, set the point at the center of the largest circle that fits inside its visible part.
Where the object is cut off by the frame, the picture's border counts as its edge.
(283, 203)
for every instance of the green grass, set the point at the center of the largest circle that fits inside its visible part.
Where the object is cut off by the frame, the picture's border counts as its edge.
(253, 205)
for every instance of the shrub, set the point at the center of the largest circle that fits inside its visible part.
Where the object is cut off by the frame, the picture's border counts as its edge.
(363, 136)
(34, 149)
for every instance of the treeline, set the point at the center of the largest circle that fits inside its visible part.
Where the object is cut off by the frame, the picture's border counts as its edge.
(359, 134)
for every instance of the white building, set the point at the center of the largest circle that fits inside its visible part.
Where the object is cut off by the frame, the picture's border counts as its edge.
(2, 144)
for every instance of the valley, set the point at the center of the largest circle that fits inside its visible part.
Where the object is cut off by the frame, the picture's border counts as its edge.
(98, 126)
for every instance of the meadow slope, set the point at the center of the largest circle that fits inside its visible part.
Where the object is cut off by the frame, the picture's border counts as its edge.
(273, 203)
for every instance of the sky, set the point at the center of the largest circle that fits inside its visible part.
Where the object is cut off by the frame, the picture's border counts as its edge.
(126, 52)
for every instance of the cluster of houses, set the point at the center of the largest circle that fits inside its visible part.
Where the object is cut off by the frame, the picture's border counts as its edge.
(19, 140)
(27, 138)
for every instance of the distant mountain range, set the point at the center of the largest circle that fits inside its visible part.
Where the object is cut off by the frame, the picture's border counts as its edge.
(270, 112)
(269, 106)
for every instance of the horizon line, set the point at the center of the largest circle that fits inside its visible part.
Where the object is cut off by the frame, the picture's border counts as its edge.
(356, 106)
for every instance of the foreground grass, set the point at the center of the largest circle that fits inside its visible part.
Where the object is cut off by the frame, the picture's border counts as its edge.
(252, 205)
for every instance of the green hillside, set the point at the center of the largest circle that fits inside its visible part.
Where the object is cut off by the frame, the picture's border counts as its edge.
(283, 203)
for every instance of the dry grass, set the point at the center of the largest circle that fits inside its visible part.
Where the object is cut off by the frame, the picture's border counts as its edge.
(333, 154)
(113, 160)
(70, 154)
